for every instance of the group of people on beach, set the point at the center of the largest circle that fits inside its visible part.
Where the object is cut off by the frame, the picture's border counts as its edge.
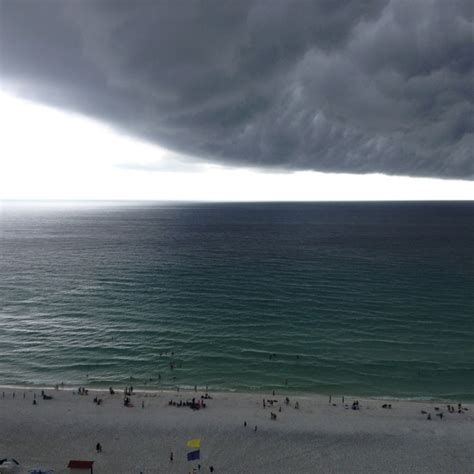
(460, 409)
(272, 402)
(451, 409)
(193, 404)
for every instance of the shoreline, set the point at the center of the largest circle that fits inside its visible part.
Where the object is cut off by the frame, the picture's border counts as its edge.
(186, 389)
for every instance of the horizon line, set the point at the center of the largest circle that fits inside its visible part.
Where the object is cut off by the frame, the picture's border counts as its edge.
(223, 201)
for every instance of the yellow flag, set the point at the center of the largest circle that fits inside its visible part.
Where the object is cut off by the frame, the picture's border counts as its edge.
(194, 443)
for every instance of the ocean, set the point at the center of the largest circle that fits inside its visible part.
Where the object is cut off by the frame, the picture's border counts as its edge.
(363, 299)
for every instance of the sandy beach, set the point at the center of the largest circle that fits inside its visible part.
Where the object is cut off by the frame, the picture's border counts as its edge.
(316, 437)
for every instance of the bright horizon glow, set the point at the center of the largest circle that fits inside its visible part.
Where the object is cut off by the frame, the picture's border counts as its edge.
(48, 154)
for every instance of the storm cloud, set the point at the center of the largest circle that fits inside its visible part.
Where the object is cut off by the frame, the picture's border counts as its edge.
(351, 86)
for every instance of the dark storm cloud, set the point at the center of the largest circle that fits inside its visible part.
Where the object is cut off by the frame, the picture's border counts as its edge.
(351, 86)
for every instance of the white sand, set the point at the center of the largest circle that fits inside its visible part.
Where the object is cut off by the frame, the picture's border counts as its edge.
(317, 438)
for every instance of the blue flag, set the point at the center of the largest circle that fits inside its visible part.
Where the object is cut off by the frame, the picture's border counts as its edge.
(193, 455)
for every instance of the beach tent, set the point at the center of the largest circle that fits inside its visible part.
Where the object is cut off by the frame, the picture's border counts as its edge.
(8, 465)
(11, 461)
(81, 467)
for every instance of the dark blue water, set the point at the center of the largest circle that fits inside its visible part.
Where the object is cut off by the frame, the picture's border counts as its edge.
(365, 299)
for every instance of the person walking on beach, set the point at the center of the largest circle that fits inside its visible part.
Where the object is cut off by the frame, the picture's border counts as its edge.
(98, 447)
(171, 456)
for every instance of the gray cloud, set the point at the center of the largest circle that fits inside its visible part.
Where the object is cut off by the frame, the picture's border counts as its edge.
(354, 86)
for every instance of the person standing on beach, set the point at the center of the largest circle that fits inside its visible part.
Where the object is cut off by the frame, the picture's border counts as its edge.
(98, 447)
(171, 456)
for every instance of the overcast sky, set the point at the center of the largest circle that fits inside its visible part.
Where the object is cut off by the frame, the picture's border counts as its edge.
(275, 89)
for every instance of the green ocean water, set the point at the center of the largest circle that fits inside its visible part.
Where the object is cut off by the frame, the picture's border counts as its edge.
(368, 299)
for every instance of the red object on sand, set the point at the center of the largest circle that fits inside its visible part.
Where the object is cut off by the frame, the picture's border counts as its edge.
(80, 464)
